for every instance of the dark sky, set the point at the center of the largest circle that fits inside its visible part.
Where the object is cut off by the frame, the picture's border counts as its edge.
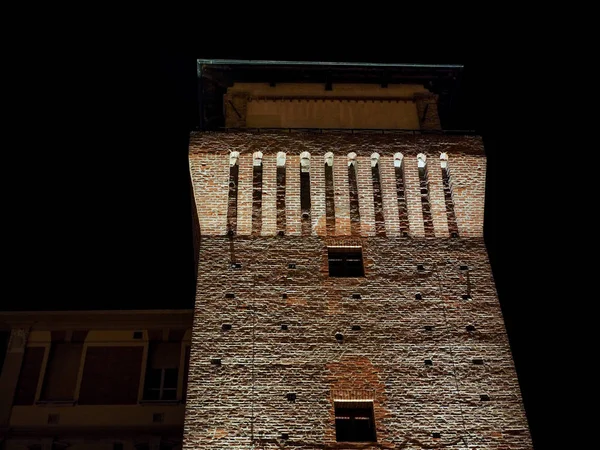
(110, 225)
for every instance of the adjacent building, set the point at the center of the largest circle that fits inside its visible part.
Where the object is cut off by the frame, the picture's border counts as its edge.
(94, 380)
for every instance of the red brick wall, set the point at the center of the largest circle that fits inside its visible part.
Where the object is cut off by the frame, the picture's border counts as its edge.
(111, 376)
(209, 165)
(242, 402)
(261, 362)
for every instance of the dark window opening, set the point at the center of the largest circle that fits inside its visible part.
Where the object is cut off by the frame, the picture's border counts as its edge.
(232, 200)
(280, 200)
(378, 201)
(354, 422)
(452, 225)
(161, 384)
(305, 202)
(257, 199)
(345, 262)
(402, 206)
(162, 372)
(426, 206)
(353, 194)
(329, 200)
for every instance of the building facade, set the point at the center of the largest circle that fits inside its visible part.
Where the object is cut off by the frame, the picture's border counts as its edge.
(94, 380)
(345, 297)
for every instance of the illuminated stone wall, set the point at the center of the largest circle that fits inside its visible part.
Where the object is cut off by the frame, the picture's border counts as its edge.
(422, 334)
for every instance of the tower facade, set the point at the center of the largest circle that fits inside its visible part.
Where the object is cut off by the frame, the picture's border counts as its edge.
(345, 297)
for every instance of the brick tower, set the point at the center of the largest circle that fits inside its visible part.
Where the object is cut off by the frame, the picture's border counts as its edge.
(345, 297)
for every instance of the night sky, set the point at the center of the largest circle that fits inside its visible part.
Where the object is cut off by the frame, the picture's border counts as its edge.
(111, 225)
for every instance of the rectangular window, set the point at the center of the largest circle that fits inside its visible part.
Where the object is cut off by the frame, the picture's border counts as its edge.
(345, 262)
(61, 372)
(111, 375)
(162, 371)
(161, 384)
(29, 376)
(354, 421)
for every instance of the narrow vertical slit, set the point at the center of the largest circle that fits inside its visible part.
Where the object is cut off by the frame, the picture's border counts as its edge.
(377, 197)
(305, 193)
(329, 195)
(353, 187)
(281, 199)
(257, 171)
(234, 170)
(452, 225)
(424, 186)
(401, 196)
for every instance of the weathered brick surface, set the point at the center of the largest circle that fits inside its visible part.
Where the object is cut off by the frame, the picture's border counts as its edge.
(390, 199)
(436, 197)
(413, 196)
(245, 396)
(342, 196)
(467, 175)
(244, 209)
(292, 194)
(209, 151)
(211, 174)
(364, 180)
(241, 402)
(269, 195)
(427, 111)
(317, 195)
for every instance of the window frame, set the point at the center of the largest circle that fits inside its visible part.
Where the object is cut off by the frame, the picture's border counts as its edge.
(161, 389)
(343, 268)
(366, 405)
